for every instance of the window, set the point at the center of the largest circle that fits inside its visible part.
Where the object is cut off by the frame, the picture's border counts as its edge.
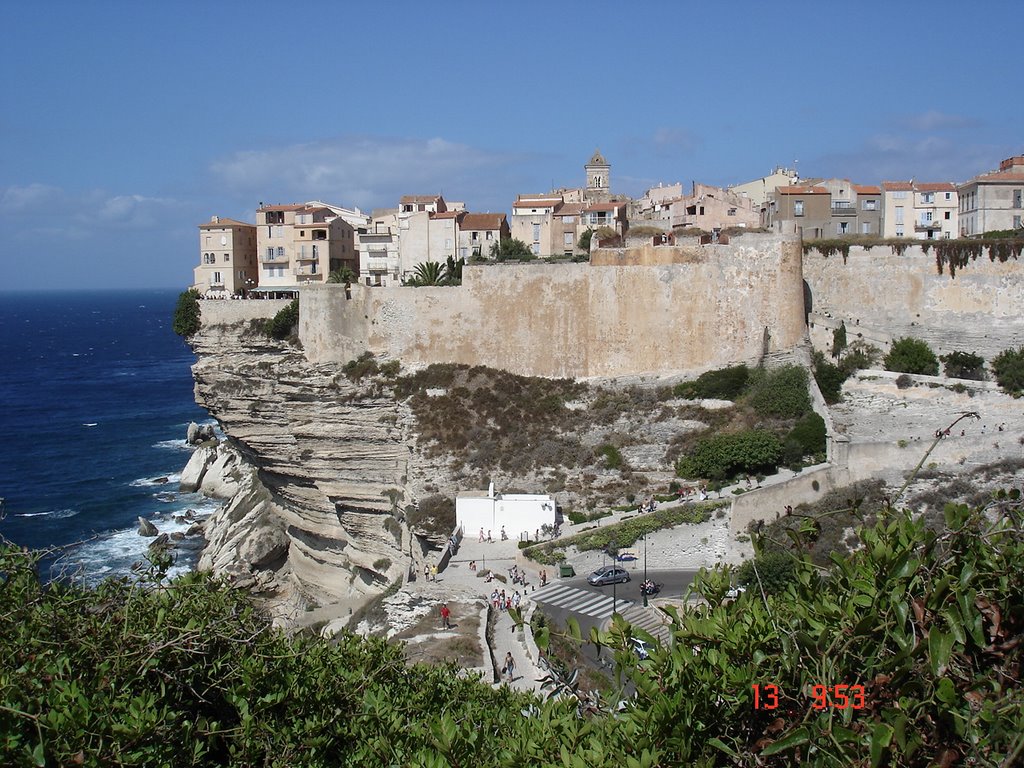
(865, 228)
(949, 195)
(227, 257)
(223, 239)
(1016, 222)
(536, 233)
(702, 210)
(798, 207)
(568, 219)
(270, 252)
(536, 249)
(901, 195)
(1017, 193)
(731, 212)
(280, 252)
(869, 205)
(927, 197)
(568, 238)
(947, 216)
(842, 228)
(899, 231)
(447, 242)
(217, 279)
(899, 214)
(489, 235)
(475, 237)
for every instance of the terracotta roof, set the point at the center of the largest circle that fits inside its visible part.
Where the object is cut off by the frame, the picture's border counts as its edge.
(571, 209)
(223, 222)
(898, 186)
(942, 186)
(483, 221)
(540, 201)
(419, 198)
(292, 207)
(802, 191)
(317, 209)
(447, 215)
(862, 189)
(604, 206)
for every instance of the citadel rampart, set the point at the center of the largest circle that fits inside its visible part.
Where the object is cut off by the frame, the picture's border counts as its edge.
(882, 296)
(632, 311)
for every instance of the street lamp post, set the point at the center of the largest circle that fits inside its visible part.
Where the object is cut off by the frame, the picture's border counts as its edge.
(645, 571)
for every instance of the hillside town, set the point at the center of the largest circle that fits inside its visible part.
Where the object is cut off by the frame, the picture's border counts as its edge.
(304, 243)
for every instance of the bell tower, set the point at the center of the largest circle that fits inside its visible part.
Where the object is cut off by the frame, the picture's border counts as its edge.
(598, 174)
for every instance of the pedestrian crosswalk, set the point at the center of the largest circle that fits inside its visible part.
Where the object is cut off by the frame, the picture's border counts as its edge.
(597, 605)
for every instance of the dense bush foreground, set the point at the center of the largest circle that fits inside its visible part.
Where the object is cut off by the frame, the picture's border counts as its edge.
(931, 624)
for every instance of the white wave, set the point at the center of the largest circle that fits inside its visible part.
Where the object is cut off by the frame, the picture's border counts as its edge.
(160, 481)
(174, 445)
(56, 514)
(90, 424)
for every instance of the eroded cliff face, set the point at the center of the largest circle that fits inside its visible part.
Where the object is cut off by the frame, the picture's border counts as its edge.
(312, 514)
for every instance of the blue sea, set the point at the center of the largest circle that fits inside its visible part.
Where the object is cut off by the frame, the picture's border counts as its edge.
(95, 398)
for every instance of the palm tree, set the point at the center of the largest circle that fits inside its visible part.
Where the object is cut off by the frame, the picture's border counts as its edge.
(428, 273)
(342, 275)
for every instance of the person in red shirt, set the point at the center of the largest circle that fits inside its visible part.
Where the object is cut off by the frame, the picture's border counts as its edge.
(445, 616)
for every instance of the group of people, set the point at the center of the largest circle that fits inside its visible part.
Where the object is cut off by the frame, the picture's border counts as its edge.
(429, 572)
(518, 576)
(503, 602)
(488, 538)
(648, 505)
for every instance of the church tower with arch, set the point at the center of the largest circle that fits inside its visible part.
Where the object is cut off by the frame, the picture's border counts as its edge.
(598, 177)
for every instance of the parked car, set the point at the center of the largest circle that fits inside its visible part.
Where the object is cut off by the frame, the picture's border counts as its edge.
(608, 574)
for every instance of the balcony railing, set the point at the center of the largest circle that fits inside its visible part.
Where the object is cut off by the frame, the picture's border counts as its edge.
(843, 209)
(304, 256)
(306, 271)
(274, 259)
(927, 225)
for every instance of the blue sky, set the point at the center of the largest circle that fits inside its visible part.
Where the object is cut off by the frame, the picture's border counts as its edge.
(126, 124)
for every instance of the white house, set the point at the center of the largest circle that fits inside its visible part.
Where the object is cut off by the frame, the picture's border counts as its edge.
(521, 514)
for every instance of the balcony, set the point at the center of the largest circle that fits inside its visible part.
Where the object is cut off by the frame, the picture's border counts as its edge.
(921, 226)
(843, 209)
(306, 256)
(307, 271)
(274, 259)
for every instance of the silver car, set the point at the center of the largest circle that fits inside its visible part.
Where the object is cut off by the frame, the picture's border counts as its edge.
(608, 574)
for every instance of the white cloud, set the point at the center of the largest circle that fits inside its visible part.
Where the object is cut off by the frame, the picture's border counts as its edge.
(888, 157)
(18, 199)
(933, 120)
(368, 172)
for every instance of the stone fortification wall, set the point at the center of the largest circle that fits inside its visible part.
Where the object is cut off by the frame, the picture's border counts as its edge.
(231, 311)
(882, 296)
(630, 311)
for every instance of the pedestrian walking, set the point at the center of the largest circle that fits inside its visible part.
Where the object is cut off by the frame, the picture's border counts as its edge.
(481, 535)
(445, 616)
(426, 572)
(510, 667)
(433, 572)
(489, 539)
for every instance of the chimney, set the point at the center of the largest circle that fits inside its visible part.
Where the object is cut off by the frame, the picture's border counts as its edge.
(215, 219)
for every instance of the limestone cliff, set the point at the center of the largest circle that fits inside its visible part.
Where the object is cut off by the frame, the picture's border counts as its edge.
(319, 456)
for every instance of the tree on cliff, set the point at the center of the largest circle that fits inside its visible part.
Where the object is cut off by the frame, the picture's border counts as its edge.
(186, 313)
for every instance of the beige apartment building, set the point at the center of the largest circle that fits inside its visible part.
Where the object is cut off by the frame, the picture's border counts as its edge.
(994, 201)
(227, 257)
(920, 211)
(760, 190)
(713, 209)
(302, 243)
(808, 207)
(533, 222)
(478, 232)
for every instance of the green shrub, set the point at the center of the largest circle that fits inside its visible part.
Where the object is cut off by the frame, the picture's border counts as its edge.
(859, 355)
(381, 564)
(721, 384)
(281, 325)
(964, 365)
(722, 456)
(781, 392)
(839, 340)
(612, 456)
(829, 378)
(810, 434)
(909, 355)
(904, 381)
(187, 313)
(775, 571)
(363, 366)
(433, 515)
(1008, 368)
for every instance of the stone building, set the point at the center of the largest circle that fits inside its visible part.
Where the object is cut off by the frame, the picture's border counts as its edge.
(302, 243)
(993, 201)
(227, 257)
